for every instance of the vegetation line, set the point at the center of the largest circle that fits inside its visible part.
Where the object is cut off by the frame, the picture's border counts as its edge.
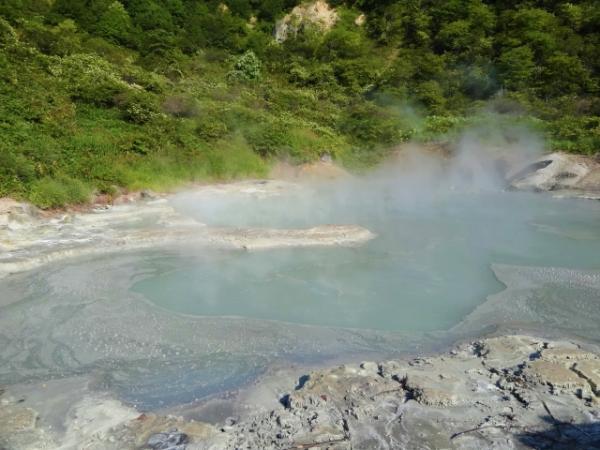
(106, 95)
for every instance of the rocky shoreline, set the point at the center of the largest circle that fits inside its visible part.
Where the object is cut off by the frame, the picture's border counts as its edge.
(504, 392)
(496, 393)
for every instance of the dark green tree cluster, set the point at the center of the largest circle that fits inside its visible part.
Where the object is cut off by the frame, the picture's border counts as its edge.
(441, 51)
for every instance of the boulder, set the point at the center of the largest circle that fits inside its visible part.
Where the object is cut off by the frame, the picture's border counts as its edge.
(172, 440)
(557, 172)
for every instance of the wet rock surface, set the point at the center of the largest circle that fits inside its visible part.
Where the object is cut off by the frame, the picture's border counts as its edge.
(172, 440)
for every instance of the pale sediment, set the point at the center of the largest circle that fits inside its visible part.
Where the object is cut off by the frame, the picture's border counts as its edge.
(238, 238)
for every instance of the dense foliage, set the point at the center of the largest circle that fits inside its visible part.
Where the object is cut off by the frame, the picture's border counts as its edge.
(103, 94)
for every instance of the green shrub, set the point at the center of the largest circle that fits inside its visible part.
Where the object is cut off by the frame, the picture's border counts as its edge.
(437, 127)
(111, 52)
(517, 67)
(370, 124)
(57, 192)
(246, 67)
(431, 95)
(138, 107)
(576, 134)
(312, 74)
(235, 159)
(16, 171)
(210, 128)
(269, 139)
(115, 23)
(8, 35)
(89, 78)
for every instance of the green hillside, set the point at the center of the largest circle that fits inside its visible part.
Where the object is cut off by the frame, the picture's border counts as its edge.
(100, 95)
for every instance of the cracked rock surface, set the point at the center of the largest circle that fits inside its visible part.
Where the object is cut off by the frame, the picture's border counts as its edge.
(505, 392)
(502, 392)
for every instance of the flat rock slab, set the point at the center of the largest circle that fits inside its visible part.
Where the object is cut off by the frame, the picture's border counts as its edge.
(556, 375)
(16, 419)
(30, 239)
(590, 371)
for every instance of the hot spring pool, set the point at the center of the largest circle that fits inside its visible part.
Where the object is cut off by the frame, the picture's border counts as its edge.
(201, 321)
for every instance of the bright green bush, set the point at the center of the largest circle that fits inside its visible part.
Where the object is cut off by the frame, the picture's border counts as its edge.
(138, 106)
(372, 125)
(247, 67)
(576, 134)
(89, 78)
(57, 192)
(269, 139)
(115, 23)
(438, 127)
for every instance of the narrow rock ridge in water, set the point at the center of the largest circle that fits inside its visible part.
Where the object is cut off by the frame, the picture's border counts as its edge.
(30, 243)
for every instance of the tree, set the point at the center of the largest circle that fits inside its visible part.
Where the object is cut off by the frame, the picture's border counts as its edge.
(151, 15)
(517, 67)
(564, 74)
(115, 23)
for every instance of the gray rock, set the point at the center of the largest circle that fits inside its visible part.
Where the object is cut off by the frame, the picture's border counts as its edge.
(558, 172)
(503, 393)
(317, 14)
(172, 440)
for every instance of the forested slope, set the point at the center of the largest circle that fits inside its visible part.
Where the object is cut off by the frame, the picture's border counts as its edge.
(97, 95)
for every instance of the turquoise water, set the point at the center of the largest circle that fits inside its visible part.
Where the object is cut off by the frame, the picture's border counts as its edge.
(429, 266)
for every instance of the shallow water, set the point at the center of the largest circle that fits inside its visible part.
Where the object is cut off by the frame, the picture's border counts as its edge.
(204, 321)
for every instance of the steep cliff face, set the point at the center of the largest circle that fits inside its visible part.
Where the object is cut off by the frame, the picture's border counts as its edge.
(318, 14)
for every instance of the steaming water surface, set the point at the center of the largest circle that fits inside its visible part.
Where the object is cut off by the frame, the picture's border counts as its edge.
(194, 320)
(428, 268)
